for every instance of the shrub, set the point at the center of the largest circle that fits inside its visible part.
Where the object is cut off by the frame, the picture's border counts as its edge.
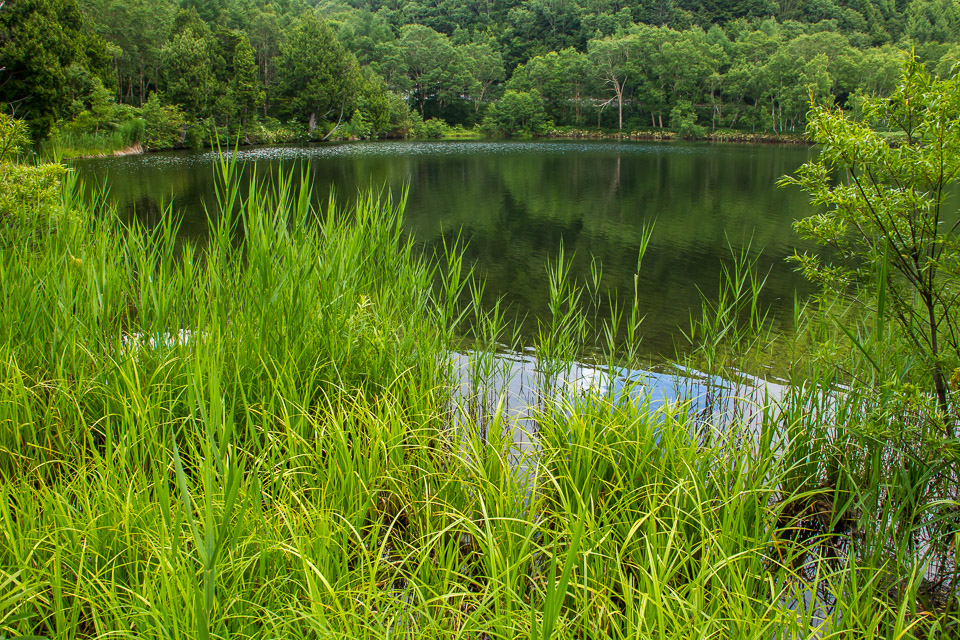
(518, 112)
(683, 119)
(359, 126)
(28, 193)
(432, 128)
(400, 120)
(886, 213)
(164, 125)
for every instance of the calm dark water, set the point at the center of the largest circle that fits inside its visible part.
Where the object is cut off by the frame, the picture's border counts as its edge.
(517, 203)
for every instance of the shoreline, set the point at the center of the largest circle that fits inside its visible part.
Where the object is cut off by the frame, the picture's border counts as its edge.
(671, 136)
(135, 149)
(732, 137)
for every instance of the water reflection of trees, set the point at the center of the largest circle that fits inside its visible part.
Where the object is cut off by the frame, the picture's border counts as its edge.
(517, 208)
(517, 212)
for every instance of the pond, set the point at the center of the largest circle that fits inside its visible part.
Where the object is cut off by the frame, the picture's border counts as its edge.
(517, 203)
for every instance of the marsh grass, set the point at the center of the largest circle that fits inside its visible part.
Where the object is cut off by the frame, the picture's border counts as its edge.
(256, 438)
(66, 142)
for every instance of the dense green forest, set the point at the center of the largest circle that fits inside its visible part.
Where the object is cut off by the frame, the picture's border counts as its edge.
(166, 73)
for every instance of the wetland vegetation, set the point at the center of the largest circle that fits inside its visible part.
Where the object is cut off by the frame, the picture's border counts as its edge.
(513, 205)
(265, 434)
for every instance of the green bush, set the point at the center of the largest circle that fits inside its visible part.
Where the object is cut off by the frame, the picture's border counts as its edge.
(164, 125)
(683, 120)
(518, 112)
(400, 120)
(28, 193)
(432, 128)
(359, 127)
(270, 131)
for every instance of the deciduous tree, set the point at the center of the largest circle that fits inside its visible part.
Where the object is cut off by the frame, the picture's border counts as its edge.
(886, 214)
(319, 79)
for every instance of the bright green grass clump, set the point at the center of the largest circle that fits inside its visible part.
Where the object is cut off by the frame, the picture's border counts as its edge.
(256, 438)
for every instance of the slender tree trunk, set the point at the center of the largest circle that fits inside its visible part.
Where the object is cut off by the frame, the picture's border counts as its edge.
(266, 86)
(939, 380)
(620, 108)
(343, 106)
(736, 119)
(618, 88)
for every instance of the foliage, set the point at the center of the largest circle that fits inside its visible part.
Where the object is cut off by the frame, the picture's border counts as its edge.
(14, 137)
(373, 104)
(255, 438)
(137, 32)
(683, 120)
(887, 216)
(272, 131)
(611, 60)
(485, 68)
(747, 66)
(430, 128)
(29, 194)
(164, 125)
(68, 141)
(319, 79)
(517, 113)
(400, 119)
(425, 63)
(188, 68)
(239, 94)
(564, 81)
(99, 126)
(39, 40)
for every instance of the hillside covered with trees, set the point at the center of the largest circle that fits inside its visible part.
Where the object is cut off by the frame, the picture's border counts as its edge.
(168, 73)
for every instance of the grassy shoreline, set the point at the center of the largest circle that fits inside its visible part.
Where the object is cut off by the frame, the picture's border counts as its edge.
(67, 150)
(256, 439)
(720, 135)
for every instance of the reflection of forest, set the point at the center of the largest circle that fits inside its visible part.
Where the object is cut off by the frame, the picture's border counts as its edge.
(516, 205)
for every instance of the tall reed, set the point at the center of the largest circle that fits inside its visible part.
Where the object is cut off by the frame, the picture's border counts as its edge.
(254, 437)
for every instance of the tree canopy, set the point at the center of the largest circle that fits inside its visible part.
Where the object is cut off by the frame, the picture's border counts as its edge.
(240, 65)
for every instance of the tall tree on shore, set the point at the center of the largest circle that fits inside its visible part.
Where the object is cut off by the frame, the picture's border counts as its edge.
(188, 60)
(245, 92)
(137, 30)
(319, 79)
(611, 60)
(421, 61)
(39, 39)
(562, 78)
(485, 67)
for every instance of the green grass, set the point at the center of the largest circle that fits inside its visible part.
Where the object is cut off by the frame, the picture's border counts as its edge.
(255, 438)
(67, 143)
(459, 133)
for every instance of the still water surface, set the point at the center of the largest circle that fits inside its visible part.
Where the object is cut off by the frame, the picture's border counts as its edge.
(517, 203)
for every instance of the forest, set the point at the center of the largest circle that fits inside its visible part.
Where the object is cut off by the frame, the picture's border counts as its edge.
(93, 75)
